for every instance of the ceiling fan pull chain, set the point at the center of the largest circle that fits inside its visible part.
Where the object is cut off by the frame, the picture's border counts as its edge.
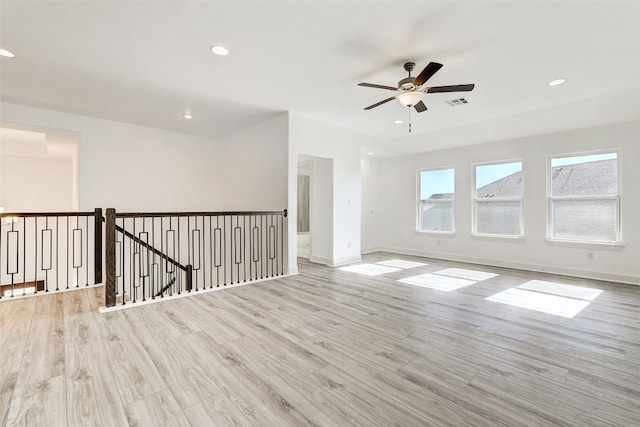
(409, 119)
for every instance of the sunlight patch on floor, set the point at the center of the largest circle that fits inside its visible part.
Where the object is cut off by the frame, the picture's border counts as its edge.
(466, 274)
(437, 282)
(548, 297)
(546, 303)
(400, 263)
(382, 267)
(559, 289)
(369, 269)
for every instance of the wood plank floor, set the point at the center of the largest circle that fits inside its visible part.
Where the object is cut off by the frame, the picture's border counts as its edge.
(326, 348)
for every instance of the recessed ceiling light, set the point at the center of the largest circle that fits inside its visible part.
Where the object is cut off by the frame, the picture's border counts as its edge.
(4, 52)
(219, 50)
(556, 82)
(397, 122)
(188, 116)
(371, 153)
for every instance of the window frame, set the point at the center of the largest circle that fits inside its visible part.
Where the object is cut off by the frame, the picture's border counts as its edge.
(475, 200)
(452, 201)
(617, 198)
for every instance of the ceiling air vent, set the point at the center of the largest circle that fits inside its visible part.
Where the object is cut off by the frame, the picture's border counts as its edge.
(456, 102)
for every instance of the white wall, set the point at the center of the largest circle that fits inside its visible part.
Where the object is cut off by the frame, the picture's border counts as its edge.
(318, 139)
(136, 168)
(32, 184)
(369, 170)
(393, 180)
(250, 168)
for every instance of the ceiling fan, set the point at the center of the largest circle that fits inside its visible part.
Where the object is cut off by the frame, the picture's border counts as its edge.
(411, 89)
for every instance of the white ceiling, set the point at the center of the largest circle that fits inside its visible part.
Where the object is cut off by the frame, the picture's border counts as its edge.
(149, 62)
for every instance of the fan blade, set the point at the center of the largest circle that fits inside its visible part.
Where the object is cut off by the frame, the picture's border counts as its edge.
(420, 107)
(379, 103)
(377, 86)
(454, 88)
(427, 73)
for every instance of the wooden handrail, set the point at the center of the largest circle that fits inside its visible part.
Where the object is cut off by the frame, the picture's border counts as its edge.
(180, 214)
(32, 214)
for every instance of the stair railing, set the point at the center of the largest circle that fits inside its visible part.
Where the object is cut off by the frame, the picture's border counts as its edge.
(49, 251)
(153, 255)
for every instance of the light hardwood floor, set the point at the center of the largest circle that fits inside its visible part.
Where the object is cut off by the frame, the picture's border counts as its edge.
(325, 348)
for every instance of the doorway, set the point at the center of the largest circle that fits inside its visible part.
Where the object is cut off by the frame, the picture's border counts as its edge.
(316, 244)
(38, 169)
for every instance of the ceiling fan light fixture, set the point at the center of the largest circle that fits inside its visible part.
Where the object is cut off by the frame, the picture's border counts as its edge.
(219, 50)
(6, 53)
(409, 99)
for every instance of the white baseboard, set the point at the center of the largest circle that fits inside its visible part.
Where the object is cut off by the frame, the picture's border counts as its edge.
(335, 262)
(18, 295)
(319, 260)
(597, 275)
(372, 250)
(344, 261)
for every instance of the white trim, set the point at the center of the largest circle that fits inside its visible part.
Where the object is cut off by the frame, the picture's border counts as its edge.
(498, 237)
(585, 244)
(434, 233)
(45, 293)
(291, 271)
(338, 262)
(497, 162)
(319, 260)
(564, 155)
(615, 197)
(375, 249)
(345, 261)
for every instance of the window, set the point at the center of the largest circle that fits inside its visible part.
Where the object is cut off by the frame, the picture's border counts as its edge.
(436, 195)
(584, 203)
(498, 199)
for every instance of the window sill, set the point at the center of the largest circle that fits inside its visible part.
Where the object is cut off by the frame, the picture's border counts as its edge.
(436, 233)
(498, 237)
(585, 244)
